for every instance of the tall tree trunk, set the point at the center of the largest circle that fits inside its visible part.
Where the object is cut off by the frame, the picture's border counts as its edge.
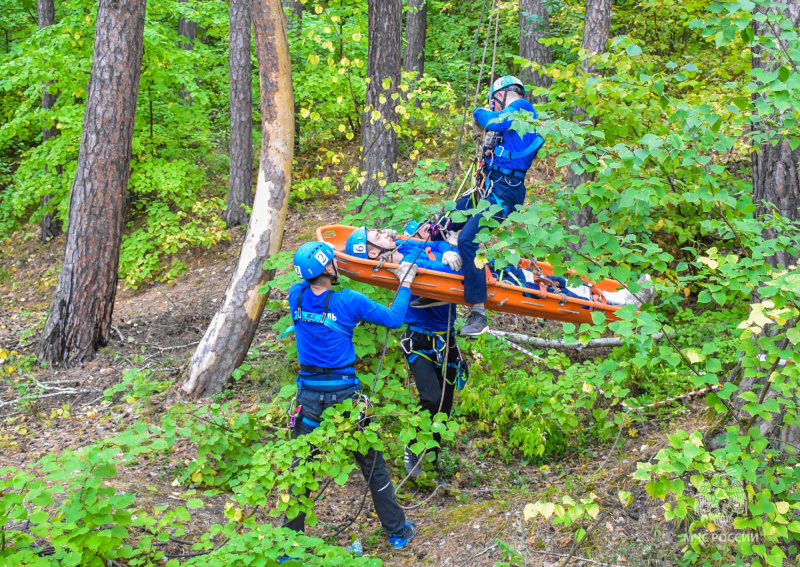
(775, 167)
(534, 24)
(596, 28)
(230, 333)
(187, 29)
(416, 33)
(378, 136)
(294, 15)
(50, 226)
(80, 315)
(294, 23)
(240, 179)
(775, 180)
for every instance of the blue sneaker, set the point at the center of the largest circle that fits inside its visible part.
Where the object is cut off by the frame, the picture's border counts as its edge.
(285, 558)
(401, 539)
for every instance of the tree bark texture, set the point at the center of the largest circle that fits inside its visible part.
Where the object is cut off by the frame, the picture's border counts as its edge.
(775, 168)
(230, 333)
(596, 29)
(775, 180)
(534, 24)
(416, 33)
(50, 226)
(378, 134)
(187, 29)
(240, 178)
(294, 15)
(80, 316)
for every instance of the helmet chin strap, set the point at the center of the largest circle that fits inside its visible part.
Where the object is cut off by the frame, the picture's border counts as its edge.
(335, 277)
(381, 248)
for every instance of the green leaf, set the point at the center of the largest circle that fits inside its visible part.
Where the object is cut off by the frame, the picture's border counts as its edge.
(195, 503)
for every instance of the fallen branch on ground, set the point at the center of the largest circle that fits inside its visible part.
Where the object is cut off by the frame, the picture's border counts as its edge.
(544, 343)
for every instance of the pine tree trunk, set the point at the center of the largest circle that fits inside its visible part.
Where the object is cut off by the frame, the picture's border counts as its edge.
(596, 29)
(775, 180)
(294, 23)
(80, 315)
(230, 333)
(378, 136)
(775, 168)
(187, 29)
(240, 179)
(416, 32)
(534, 24)
(294, 15)
(50, 226)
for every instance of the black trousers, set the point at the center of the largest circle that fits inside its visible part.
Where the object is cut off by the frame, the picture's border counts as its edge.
(429, 376)
(372, 465)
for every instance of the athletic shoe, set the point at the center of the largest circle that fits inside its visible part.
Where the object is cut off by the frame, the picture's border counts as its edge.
(401, 539)
(412, 464)
(425, 303)
(285, 558)
(476, 325)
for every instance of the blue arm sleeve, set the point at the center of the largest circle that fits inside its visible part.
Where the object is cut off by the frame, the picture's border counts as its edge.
(372, 312)
(435, 266)
(483, 117)
(442, 246)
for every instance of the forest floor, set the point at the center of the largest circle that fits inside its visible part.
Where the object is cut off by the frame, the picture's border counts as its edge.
(158, 326)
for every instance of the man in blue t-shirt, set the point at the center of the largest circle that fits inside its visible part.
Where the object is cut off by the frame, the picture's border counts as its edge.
(508, 156)
(324, 321)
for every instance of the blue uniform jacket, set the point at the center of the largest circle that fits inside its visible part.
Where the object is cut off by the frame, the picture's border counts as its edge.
(432, 319)
(321, 346)
(511, 140)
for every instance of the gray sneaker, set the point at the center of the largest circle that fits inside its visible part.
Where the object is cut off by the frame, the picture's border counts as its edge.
(412, 464)
(476, 325)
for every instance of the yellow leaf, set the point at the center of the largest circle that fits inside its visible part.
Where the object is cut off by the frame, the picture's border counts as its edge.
(480, 262)
(197, 477)
(387, 82)
(547, 509)
(711, 527)
(349, 135)
(529, 511)
(783, 507)
(356, 37)
(318, 9)
(285, 498)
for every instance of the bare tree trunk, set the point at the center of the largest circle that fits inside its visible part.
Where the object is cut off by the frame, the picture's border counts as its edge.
(230, 333)
(416, 34)
(294, 15)
(80, 315)
(240, 179)
(597, 26)
(534, 24)
(187, 29)
(378, 136)
(50, 226)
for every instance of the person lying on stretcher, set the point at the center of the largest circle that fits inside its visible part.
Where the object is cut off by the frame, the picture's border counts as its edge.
(440, 256)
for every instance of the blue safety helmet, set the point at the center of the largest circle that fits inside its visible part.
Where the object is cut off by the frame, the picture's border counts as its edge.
(503, 83)
(311, 259)
(357, 243)
(411, 228)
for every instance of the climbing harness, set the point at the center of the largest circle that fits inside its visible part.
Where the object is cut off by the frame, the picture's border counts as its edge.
(436, 354)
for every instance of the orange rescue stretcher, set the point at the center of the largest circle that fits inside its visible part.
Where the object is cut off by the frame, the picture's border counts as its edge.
(450, 287)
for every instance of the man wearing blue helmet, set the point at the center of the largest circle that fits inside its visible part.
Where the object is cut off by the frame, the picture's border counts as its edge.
(324, 321)
(507, 157)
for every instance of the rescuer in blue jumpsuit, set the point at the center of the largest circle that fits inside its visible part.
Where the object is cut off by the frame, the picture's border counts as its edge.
(323, 322)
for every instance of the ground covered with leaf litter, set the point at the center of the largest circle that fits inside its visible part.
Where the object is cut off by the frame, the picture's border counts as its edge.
(481, 519)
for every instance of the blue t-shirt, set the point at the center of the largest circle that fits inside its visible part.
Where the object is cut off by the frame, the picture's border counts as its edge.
(319, 345)
(511, 139)
(432, 319)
